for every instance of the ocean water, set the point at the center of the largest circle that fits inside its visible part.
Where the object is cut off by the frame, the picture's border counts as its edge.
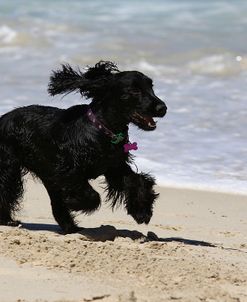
(195, 51)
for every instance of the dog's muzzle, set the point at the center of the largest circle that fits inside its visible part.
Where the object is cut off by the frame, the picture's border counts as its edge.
(146, 122)
(161, 110)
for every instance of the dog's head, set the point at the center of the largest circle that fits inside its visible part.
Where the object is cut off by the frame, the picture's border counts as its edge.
(128, 94)
(138, 95)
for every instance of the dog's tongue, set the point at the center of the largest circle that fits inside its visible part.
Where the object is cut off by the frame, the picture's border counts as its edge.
(149, 120)
(145, 120)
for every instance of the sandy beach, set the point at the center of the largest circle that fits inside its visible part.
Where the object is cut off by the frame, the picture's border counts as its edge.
(195, 246)
(194, 249)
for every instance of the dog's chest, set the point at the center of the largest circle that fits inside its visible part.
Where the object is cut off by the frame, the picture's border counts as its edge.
(111, 158)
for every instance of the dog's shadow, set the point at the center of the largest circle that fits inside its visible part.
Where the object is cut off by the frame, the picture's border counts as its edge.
(110, 233)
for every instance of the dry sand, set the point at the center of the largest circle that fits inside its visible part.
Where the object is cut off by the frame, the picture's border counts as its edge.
(194, 249)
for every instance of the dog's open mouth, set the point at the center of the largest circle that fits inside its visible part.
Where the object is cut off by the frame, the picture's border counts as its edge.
(143, 121)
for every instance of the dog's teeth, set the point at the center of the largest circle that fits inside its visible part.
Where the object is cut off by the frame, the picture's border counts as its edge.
(151, 125)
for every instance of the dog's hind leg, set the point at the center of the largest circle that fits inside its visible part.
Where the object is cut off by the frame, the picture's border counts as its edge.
(60, 211)
(11, 188)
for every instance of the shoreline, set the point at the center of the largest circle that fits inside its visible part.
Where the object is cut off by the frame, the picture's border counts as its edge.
(201, 188)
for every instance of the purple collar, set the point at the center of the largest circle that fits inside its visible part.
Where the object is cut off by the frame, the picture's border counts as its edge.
(115, 138)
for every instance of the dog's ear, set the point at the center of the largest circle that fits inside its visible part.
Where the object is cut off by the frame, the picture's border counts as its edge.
(65, 80)
(89, 84)
(100, 70)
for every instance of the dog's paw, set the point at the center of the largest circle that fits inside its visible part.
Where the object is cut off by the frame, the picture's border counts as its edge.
(13, 223)
(142, 217)
(70, 229)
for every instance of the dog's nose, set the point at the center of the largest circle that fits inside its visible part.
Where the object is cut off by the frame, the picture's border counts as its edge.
(161, 109)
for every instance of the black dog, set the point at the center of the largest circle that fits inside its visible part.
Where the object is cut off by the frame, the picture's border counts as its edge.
(66, 148)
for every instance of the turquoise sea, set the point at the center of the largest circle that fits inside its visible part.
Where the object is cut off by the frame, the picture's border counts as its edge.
(194, 50)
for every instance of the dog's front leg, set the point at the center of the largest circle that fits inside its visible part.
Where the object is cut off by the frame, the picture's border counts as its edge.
(134, 190)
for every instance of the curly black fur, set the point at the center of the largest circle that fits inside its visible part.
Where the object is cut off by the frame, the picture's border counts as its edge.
(65, 149)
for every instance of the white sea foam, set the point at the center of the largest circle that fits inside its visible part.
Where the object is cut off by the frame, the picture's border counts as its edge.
(156, 69)
(215, 65)
(225, 64)
(7, 34)
(166, 176)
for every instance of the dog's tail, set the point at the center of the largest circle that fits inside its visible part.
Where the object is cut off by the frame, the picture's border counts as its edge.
(68, 80)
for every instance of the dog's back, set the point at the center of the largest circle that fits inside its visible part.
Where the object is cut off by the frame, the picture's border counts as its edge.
(19, 124)
(27, 130)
